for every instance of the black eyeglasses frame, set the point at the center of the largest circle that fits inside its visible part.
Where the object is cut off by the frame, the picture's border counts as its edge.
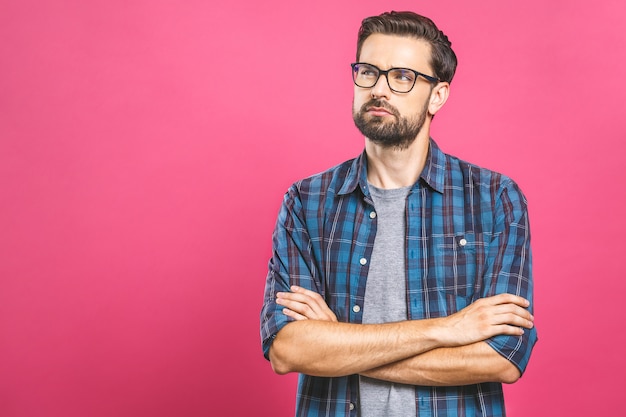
(430, 79)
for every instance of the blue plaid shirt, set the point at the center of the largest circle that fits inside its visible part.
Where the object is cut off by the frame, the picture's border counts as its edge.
(467, 237)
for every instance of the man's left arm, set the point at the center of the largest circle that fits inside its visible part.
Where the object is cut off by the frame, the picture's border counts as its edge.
(463, 365)
(509, 269)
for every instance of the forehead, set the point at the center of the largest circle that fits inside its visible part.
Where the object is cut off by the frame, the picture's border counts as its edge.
(386, 51)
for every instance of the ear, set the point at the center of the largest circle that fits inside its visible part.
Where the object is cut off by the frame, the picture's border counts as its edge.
(438, 97)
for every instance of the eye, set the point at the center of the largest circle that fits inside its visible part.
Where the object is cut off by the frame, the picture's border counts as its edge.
(366, 71)
(403, 75)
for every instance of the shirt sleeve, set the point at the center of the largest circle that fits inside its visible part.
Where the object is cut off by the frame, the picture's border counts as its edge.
(509, 268)
(292, 263)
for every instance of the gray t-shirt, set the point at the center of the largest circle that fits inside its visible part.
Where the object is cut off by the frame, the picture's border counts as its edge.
(385, 299)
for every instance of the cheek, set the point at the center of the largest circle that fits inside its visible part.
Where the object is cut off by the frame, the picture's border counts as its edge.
(359, 99)
(415, 108)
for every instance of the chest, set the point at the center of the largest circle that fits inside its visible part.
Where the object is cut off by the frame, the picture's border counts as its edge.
(445, 247)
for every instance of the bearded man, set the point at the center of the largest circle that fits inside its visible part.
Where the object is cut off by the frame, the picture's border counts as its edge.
(400, 281)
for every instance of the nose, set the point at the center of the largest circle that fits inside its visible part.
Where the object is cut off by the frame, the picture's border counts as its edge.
(381, 88)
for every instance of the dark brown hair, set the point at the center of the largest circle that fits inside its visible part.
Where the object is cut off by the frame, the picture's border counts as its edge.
(443, 58)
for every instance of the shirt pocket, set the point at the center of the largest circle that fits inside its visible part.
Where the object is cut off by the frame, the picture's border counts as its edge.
(456, 268)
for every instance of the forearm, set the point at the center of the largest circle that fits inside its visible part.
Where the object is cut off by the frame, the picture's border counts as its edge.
(448, 366)
(323, 348)
(316, 344)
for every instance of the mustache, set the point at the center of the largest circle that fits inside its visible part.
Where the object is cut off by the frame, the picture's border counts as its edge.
(381, 104)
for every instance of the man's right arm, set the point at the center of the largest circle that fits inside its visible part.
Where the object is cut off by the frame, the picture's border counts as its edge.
(324, 347)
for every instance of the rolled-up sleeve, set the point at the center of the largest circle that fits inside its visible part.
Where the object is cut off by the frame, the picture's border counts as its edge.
(291, 264)
(509, 269)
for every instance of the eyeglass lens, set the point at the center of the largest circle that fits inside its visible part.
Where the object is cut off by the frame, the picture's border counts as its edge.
(398, 79)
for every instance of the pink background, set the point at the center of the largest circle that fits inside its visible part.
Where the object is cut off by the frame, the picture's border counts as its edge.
(145, 147)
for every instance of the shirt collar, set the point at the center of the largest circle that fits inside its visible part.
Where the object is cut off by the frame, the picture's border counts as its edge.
(357, 175)
(433, 173)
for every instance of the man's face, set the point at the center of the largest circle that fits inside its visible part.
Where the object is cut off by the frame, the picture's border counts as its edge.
(385, 117)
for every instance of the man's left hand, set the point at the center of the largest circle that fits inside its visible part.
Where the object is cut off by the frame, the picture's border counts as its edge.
(303, 304)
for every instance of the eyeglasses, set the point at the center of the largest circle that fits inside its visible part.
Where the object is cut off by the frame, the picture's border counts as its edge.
(399, 80)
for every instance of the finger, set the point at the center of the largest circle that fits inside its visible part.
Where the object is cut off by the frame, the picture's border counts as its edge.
(298, 302)
(317, 302)
(508, 314)
(293, 314)
(295, 288)
(312, 298)
(306, 306)
(311, 312)
(514, 320)
(307, 303)
(503, 298)
(506, 298)
(301, 294)
(301, 298)
(316, 297)
(508, 330)
(513, 309)
(297, 306)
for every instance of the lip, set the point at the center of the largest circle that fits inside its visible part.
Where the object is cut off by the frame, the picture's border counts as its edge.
(378, 111)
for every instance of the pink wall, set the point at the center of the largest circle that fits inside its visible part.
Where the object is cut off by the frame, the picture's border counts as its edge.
(145, 147)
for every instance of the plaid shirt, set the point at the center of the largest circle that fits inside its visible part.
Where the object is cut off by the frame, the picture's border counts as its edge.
(467, 237)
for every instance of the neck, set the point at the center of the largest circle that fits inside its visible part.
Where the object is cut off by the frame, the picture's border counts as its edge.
(390, 168)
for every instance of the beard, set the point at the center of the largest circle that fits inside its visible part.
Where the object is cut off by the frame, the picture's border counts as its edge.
(399, 133)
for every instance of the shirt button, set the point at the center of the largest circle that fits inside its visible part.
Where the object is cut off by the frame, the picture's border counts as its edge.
(372, 214)
(351, 406)
(356, 308)
(462, 242)
(362, 261)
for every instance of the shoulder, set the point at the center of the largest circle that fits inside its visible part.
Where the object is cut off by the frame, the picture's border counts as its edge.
(479, 179)
(326, 183)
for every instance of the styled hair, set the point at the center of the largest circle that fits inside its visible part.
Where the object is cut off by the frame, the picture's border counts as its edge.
(443, 59)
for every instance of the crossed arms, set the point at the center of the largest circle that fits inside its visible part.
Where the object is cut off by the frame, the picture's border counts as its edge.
(436, 352)
(481, 343)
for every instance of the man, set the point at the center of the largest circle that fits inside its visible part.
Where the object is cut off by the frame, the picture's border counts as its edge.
(400, 282)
